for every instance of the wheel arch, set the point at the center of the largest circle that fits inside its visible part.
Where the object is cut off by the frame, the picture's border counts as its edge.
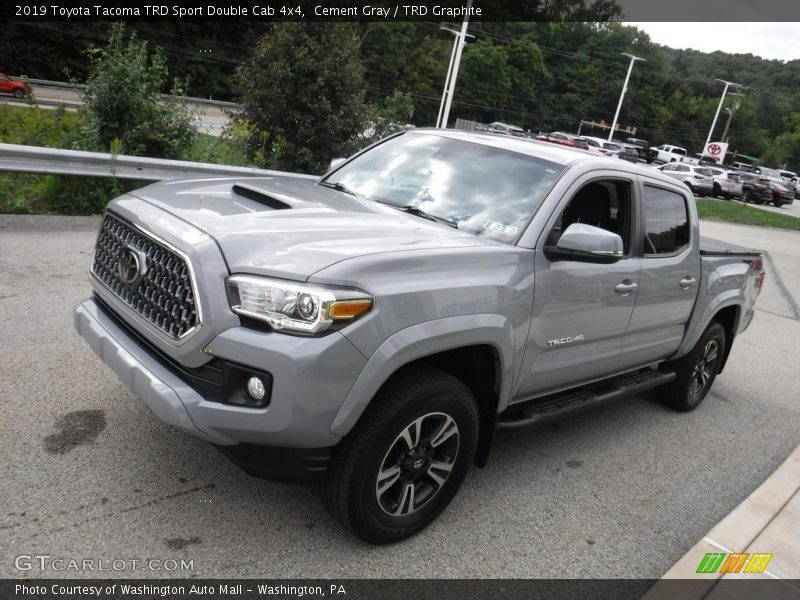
(728, 317)
(476, 349)
(726, 311)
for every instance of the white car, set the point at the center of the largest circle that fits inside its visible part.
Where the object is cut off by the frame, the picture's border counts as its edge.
(727, 184)
(601, 146)
(698, 179)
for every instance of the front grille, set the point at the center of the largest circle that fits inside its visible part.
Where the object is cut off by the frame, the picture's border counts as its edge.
(164, 295)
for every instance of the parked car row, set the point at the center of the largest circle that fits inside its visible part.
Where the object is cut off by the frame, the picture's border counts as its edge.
(699, 173)
(761, 187)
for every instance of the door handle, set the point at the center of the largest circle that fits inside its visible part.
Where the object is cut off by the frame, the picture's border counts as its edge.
(626, 287)
(687, 282)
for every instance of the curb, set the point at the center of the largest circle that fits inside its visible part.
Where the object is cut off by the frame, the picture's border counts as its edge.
(768, 520)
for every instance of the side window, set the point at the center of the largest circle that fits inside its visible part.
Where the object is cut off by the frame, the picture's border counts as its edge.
(682, 168)
(666, 221)
(604, 204)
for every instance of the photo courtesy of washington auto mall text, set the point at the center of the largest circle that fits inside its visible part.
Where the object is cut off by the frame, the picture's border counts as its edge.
(447, 300)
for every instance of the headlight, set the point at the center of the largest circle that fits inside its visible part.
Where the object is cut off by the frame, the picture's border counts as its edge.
(294, 307)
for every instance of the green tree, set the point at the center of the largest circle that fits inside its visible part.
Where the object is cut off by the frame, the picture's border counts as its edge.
(122, 103)
(304, 87)
(484, 79)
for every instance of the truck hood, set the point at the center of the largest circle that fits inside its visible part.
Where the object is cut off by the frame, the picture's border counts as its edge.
(292, 228)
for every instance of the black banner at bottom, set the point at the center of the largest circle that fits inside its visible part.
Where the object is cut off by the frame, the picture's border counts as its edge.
(405, 589)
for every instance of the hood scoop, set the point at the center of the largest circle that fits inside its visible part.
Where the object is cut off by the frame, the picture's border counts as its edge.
(253, 193)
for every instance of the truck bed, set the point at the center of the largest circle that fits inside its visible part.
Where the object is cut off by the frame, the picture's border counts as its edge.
(709, 247)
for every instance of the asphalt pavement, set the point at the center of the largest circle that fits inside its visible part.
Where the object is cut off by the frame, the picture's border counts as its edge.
(88, 473)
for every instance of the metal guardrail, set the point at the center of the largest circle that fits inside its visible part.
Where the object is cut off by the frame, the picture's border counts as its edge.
(53, 161)
(190, 99)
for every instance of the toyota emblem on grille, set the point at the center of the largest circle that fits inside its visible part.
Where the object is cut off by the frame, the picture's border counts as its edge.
(132, 266)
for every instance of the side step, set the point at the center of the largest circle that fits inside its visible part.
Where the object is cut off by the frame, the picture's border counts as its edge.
(551, 408)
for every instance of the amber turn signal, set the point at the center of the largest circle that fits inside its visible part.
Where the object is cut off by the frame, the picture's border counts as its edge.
(344, 310)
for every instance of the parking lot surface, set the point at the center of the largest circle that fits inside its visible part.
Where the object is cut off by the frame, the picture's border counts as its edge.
(89, 473)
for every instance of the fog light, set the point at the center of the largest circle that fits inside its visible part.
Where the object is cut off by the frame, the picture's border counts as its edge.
(255, 387)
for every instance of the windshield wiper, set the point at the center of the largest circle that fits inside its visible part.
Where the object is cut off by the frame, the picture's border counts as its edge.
(340, 187)
(418, 212)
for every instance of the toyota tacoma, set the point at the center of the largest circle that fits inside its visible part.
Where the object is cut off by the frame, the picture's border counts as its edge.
(371, 330)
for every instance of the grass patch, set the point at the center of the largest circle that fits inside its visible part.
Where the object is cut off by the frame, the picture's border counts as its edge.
(736, 212)
(33, 126)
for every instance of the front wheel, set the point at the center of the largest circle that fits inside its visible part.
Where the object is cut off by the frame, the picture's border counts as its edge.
(404, 462)
(695, 372)
(18, 93)
(777, 203)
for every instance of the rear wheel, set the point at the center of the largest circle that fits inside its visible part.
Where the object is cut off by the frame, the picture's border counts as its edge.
(746, 196)
(777, 203)
(717, 190)
(404, 462)
(691, 188)
(696, 371)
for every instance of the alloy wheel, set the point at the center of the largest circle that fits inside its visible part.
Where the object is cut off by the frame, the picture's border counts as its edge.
(417, 464)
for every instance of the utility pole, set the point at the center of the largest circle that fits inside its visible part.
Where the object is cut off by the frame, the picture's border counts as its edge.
(449, 72)
(719, 108)
(731, 110)
(624, 89)
(461, 41)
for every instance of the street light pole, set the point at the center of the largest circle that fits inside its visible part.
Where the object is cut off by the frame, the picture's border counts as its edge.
(461, 42)
(719, 108)
(449, 72)
(731, 110)
(624, 89)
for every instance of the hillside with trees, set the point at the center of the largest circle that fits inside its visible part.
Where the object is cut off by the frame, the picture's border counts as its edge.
(541, 76)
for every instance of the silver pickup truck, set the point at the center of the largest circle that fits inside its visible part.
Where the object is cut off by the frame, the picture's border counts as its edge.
(374, 329)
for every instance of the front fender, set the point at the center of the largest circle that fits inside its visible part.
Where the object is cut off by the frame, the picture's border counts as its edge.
(422, 340)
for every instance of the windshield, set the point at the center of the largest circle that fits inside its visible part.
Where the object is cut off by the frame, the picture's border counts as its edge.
(484, 190)
(770, 172)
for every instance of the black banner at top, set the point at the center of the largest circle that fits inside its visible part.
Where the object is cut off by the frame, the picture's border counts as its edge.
(405, 10)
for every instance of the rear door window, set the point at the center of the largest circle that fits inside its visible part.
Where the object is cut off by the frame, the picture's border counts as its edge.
(666, 219)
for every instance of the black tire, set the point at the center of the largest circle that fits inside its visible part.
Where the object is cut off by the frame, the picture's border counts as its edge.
(746, 196)
(717, 191)
(691, 188)
(381, 444)
(18, 93)
(777, 203)
(696, 371)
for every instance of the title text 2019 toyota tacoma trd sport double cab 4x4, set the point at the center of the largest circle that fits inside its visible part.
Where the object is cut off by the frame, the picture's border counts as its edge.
(373, 330)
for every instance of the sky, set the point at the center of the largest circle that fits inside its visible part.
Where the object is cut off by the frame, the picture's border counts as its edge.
(768, 40)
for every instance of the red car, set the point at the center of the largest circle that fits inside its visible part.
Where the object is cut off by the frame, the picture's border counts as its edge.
(565, 139)
(15, 87)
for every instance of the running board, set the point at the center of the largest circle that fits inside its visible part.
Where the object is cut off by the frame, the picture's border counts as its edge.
(566, 404)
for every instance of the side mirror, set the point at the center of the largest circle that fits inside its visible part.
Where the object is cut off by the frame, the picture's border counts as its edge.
(335, 162)
(587, 241)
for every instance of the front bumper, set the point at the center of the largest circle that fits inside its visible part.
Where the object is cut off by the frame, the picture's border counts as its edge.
(311, 379)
